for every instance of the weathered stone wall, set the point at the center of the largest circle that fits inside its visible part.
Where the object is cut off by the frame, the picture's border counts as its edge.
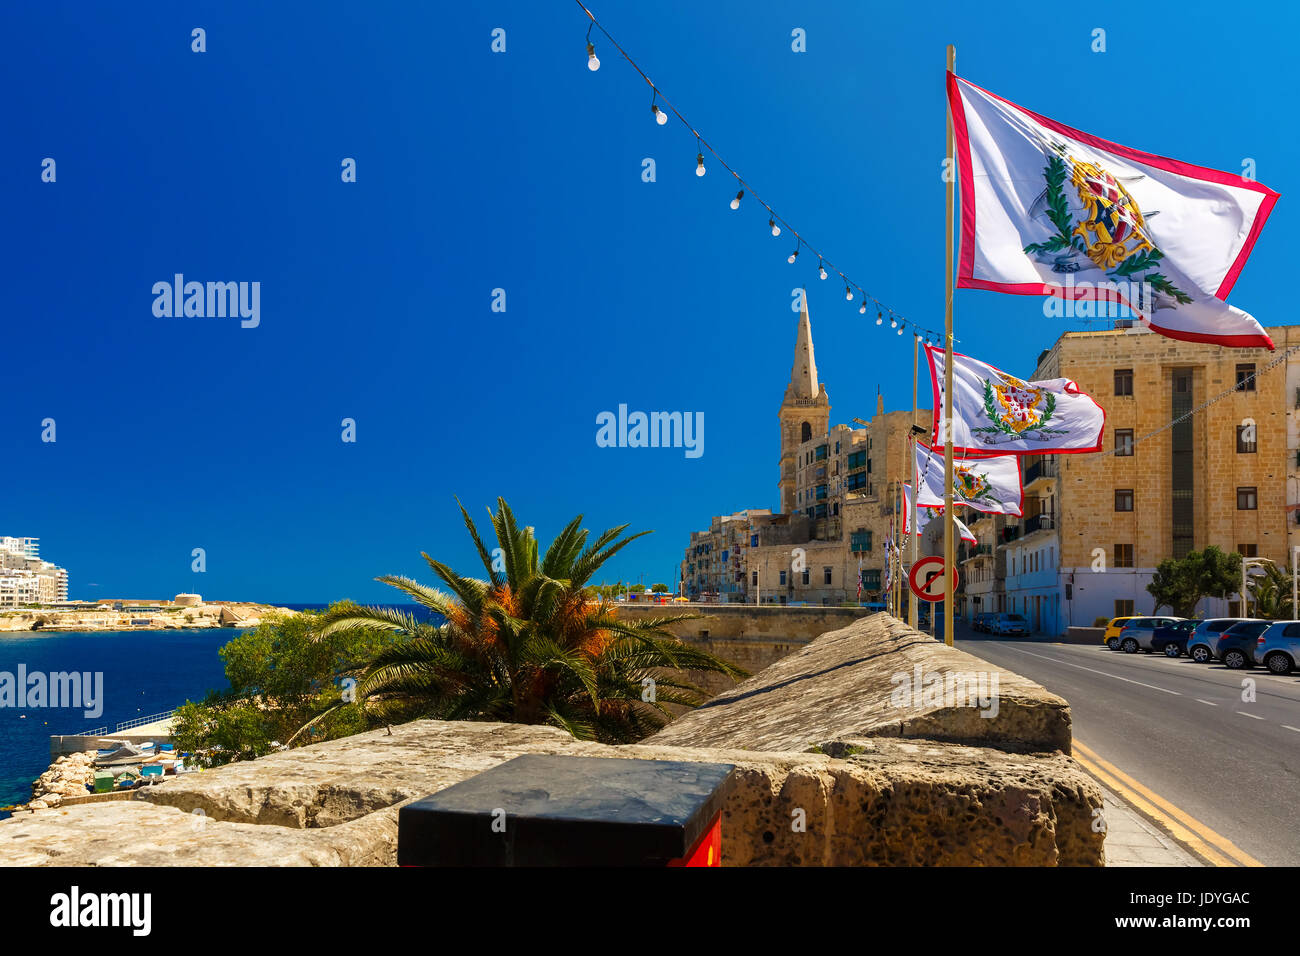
(885, 802)
(877, 678)
(829, 771)
(750, 636)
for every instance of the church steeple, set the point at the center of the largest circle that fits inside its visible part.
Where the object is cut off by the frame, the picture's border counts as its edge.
(803, 374)
(805, 409)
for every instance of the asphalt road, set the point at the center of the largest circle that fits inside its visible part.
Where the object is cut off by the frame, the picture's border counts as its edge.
(1181, 729)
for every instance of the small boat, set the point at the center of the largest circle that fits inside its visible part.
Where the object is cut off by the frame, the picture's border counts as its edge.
(121, 756)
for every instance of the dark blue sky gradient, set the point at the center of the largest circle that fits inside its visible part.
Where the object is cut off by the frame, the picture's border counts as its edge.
(521, 171)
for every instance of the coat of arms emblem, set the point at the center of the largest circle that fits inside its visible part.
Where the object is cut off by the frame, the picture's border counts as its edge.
(968, 485)
(1110, 231)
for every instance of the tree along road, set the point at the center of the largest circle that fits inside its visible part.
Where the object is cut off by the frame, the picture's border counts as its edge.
(1189, 732)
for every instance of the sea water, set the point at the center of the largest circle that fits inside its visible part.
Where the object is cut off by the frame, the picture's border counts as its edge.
(145, 673)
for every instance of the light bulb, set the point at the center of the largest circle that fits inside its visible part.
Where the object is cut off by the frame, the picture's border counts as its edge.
(735, 203)
(776, 230)
(848, 294)
(862, 309)
(593, 64)
(821, 270)
(793, 256)
(660, 116)
(900, 331)
(880, 317)
(699, 164)
(893, 323)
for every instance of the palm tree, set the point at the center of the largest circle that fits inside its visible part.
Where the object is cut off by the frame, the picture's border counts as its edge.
(526, 644)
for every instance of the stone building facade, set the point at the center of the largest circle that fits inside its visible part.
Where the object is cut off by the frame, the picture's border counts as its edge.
(837, 488)
(1097, 525)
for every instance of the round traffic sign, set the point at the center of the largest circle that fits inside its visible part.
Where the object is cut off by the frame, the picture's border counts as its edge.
(928, 581)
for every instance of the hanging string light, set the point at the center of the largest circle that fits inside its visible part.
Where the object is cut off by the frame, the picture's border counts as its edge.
(848, 294)
(660, 116)
(775, 222)
(593, 64)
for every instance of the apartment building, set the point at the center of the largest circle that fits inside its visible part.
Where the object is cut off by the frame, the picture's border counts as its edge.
(25, 578)
(1097, 525)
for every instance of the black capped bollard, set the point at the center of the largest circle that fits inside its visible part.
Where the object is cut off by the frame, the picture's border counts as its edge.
(554, 810)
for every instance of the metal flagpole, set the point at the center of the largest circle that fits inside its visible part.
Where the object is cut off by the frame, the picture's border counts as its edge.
(915, 618)
(947, 373)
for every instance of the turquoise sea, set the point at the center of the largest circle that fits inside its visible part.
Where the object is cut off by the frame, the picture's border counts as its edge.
(145, 673)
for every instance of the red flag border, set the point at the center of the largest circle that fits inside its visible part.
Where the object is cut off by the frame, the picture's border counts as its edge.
(1020, 479)
(983, 453)
(966, 264)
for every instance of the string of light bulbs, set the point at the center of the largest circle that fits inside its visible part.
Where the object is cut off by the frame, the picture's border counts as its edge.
(775, 222)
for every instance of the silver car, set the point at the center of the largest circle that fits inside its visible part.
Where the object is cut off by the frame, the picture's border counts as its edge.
(1201, 643)
(1278, 648)
(1136, 634)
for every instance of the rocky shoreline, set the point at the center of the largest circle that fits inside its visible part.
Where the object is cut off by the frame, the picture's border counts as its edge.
(69, 776)
(170, 617)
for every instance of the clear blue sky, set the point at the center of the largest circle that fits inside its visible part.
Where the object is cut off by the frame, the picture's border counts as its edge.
(519, 171)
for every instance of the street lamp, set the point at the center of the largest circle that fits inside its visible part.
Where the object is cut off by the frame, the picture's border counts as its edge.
(1255, 563)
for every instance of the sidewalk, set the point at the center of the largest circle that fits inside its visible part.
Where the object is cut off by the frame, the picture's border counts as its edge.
(1132, 840)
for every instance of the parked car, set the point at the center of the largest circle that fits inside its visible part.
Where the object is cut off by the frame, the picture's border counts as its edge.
(1171, 639)
(1111, 637)
(1278, 648)
(1236, 646)
(983, 622)
(1009, 624)
(1201, 643)
(1137, 632)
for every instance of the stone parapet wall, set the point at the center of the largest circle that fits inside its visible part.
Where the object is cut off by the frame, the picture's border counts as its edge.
(828, 772)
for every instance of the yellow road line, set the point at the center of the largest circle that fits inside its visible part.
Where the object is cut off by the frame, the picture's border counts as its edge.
(1215, 847)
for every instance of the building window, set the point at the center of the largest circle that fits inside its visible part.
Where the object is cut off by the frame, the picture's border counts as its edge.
(1123, 608)
(1123, 442)
(1248, 550)
(857, 460)
(1247, 499)
(1246, 439)
(1123, 499)
(1246, 377)
(783, 573)
(1123, 381)
(860, 541)
(1123, 555)
(805, 432)
(826, 575)
(805, 571)
(753, 538)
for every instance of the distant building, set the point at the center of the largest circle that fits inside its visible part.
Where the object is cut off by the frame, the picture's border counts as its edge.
(1096, 526)
(187, 600)
(25, 578)
(835, 486)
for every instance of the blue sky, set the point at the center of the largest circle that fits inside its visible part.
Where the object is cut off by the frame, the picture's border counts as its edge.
(522, 171)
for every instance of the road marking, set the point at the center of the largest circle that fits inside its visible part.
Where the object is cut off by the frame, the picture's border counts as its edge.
(1208, 702)
(1128, 680)
(1252, 716)
(1213, 846)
